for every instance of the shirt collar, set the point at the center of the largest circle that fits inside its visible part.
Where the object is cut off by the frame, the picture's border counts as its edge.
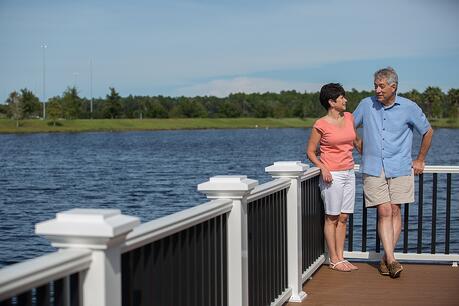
(396, 102)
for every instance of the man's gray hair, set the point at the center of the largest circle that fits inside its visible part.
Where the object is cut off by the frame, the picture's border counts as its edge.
(387, 73)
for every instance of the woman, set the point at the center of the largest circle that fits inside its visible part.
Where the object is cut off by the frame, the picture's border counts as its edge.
(335, 133)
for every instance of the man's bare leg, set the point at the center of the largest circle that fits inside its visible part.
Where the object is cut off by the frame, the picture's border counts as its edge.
(386, 230)
(397, 225)
(389, 230)
(396, 222)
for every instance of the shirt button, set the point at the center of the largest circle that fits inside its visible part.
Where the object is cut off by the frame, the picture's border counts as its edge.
(384, 129)
(384, 118)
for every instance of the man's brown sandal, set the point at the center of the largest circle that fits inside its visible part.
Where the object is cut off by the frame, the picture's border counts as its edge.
(383, 269)
(395, 268)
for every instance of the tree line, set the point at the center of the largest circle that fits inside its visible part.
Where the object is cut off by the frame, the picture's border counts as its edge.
(24, 104)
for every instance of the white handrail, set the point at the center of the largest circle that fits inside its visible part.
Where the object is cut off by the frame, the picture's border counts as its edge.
(314, 171)
(171, 224)
(441, 169)
(268, 188)
(21, 277)
(430, 169)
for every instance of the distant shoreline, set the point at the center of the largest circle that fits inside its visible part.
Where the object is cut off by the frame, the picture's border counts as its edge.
(8, 126)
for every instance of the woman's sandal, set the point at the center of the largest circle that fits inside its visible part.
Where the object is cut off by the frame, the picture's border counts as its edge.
(334, 266)
(350, 265)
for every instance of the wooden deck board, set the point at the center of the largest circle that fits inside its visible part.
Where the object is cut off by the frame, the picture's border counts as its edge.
(419, 284)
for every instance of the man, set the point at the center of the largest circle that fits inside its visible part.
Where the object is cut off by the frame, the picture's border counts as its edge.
(388, 121)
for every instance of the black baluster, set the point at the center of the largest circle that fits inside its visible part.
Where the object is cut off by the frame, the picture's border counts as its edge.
(351, 232)
(364, 225)
(43, 295)
(7, 302)
(257, 261)
(264, 267)
(405, 227)
(251, 251)
(378, 242)
(434, 214)
(224, 258)
(420, 204)
(448, 212)
(25, 299)
(58, 292)
(199, 263)
(126, 273)
(74, 289)
(271, 246)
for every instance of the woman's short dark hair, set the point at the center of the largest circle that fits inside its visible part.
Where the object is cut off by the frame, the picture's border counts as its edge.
(330, 91)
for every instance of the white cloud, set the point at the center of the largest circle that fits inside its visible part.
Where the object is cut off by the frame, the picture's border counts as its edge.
(224, 87)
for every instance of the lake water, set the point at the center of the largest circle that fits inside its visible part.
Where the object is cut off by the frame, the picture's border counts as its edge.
(145, 174)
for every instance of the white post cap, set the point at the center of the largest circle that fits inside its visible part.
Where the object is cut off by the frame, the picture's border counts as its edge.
(86, 228)
(287, 169)
(227, 186)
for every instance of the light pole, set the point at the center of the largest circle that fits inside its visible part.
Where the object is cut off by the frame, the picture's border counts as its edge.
(43, 47)
(90, 86)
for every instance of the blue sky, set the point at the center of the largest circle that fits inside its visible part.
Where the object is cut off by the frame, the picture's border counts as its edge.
(203, 47)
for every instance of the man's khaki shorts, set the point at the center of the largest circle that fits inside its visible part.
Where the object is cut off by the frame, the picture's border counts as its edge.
(379, 189)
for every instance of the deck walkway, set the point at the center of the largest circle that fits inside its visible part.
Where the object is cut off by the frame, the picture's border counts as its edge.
(419, 284)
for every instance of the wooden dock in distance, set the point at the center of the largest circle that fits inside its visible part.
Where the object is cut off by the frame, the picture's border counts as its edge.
(419, 284)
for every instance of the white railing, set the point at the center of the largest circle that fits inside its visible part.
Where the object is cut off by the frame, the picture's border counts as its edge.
(268, 188)
(419, 256)
(30, 274)
(311, 173)
(430, 169)
(171, 224)
(92, 242)
(441, 169)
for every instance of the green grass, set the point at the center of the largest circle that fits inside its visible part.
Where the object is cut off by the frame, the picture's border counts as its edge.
(95, 125)
(80, 125)
(445, 123)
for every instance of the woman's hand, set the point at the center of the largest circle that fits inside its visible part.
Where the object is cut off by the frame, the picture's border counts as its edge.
(326, 175)
(358, 144)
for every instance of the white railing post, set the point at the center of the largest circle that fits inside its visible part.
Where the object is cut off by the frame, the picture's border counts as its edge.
(235, 188)
(292, 170)
(102, 231)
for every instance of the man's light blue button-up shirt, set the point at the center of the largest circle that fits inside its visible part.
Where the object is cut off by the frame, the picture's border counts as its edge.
(388, 135)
